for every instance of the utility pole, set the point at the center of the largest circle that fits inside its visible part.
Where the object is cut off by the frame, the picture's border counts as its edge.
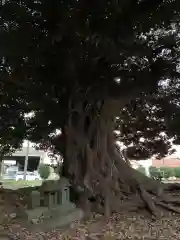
(26, 160)
(1, 168)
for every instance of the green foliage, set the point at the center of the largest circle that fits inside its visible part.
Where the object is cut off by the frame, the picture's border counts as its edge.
(177, 172)
(167, 172)
(44, 171)
(142, 170)
(57, 54)
(155, 173)
(164, 172)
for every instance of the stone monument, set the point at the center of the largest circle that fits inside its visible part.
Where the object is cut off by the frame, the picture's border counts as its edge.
(50, 205)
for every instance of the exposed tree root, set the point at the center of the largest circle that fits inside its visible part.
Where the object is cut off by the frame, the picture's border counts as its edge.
(148, 200)
(168, 207)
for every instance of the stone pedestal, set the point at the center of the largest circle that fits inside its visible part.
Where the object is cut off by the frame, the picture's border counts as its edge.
(34, 200)
(56, 210)
(63, 220)
(48, 199)
(45, 219)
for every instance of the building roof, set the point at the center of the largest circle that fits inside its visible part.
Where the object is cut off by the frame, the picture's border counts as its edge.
(32, 152)
(166, 162)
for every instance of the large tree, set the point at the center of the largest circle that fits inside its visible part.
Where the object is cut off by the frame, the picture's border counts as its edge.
(86, 67)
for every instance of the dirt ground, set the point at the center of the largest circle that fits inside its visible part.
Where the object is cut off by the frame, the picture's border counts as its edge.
(121, 226)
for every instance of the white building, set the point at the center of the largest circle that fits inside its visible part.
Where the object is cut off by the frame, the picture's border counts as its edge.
(35, 157)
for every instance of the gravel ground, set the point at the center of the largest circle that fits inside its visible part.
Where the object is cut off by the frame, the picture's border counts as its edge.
(120, 226)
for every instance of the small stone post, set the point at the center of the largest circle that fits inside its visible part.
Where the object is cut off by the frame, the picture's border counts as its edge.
(65, 194)
(34, 200)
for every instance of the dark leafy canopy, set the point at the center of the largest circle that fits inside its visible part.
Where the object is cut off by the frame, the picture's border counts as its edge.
(54, 52)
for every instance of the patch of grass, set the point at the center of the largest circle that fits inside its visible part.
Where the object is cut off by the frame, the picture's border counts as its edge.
(12, 184)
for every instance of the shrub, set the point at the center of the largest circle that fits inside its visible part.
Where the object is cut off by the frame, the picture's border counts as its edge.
(155, 172)
(44, 171)
(168, 172)
(142, 170)
(177, 172)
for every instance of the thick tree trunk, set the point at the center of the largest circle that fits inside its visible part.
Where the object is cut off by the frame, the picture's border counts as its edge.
(97, 169)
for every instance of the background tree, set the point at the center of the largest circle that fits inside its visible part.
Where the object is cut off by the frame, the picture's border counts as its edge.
(177, 172)
(167, 172)
(78, 65)
(44, 171)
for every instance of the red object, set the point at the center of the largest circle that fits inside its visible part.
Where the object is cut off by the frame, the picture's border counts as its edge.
(166, 162)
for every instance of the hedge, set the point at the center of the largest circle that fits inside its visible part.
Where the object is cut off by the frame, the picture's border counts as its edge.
(164, 172)
(177, 172)
(155, 172)
(44, 171)
(167, 172)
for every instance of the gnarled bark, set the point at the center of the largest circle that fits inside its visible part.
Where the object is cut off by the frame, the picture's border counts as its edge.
(97, 169)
